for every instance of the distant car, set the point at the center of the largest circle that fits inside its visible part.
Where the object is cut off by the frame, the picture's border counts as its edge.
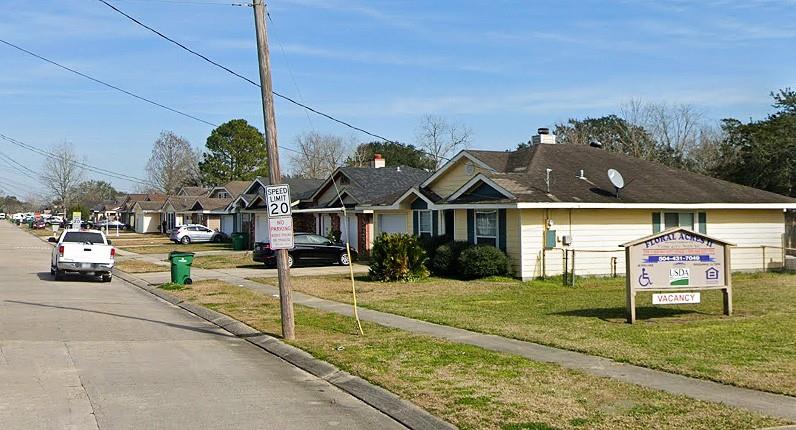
(39, 224)
(2, 215)
(110, 224)
(309, 248)
(190, 233)
(54, 220)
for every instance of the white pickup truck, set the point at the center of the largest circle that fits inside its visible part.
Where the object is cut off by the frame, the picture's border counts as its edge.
(82, 251)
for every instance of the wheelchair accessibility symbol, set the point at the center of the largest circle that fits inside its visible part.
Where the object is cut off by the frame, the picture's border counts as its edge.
(644, 279)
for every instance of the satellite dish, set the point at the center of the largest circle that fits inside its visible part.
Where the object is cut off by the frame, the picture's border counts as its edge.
(616, 178)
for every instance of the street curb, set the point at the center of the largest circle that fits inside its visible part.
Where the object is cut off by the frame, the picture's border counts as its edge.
(403, 411)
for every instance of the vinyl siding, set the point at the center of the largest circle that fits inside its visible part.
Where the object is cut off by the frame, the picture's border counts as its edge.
(597, 233)
(746, 228)
(453, 178)
(513, 242)
(460, 225)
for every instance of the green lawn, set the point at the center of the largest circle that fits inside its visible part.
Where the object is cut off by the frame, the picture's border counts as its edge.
(166, 247)
(471, 387)
(226, 261)
(138, 266)
(754, 348)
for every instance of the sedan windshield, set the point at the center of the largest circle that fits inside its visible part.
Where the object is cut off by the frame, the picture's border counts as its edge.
(83, 237)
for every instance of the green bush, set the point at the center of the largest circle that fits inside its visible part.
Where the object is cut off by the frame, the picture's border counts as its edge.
(397, 257)
(482, 261)
(431, 243)
(446, 258)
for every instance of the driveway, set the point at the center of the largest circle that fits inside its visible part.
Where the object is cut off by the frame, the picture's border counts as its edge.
(88, 355)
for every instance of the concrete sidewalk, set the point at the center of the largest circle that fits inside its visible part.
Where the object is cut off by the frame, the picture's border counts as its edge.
(775, 405)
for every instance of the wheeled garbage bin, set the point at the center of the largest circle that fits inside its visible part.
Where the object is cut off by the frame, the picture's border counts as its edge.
(181, 267)
(239, 241)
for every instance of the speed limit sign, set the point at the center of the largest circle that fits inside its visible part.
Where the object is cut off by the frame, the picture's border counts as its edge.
(277, 199)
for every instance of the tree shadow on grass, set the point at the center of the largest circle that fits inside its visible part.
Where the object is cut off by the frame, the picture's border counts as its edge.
(619, 313)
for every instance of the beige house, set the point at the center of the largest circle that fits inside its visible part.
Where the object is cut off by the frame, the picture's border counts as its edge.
(147, 216)
(536, 204)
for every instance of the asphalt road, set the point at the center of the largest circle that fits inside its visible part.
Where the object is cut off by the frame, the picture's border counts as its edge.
(81, 354)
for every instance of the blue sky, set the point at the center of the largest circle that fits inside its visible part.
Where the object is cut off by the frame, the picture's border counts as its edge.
(503, 68)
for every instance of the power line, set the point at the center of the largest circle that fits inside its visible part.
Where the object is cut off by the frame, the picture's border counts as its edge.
(129, 93)
(107, 84)
(234, 73)
(203, 3)
(19, 167)
(89, 167)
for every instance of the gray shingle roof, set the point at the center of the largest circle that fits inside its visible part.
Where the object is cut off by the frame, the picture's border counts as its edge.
(381, 186)
(522, 173)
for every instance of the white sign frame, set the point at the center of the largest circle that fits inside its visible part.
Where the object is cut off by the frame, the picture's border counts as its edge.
(277, 201)
(280, 233)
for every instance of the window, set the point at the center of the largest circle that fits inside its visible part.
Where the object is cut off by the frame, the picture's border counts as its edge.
(423, 222)
(696, 221)
(83, 237)
(486, 227)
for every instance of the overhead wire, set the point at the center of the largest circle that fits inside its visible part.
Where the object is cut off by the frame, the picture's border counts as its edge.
(202, 3)
(234, 73)
(122, 90)
(94, 169)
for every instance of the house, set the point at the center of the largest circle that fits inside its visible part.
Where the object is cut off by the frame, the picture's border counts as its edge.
(125, 211)
(193, 191)
(374, 198)
(106, 210)
(539, 202)
(251, 207)
(176, 210)
(212, 213)
(147, 216)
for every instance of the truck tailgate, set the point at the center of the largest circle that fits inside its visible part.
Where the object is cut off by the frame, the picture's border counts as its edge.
(85, 253)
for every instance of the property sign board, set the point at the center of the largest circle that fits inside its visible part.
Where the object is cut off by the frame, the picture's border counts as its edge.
(77, 216)
(677, 262)
(280, 232)
(277, 199)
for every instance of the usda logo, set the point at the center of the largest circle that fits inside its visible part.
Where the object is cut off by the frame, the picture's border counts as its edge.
(679, 276)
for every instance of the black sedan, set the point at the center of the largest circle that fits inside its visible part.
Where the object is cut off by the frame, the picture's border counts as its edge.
(309, 249)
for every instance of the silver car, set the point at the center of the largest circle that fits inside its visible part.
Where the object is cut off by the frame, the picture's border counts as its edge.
(190, 233)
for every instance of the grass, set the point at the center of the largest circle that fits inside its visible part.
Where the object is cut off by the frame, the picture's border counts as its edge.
(138, 266)
(226, 261)
(166, 247)
(753, 348)
(468, 386)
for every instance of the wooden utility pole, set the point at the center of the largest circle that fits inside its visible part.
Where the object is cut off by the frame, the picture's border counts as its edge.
(274, 174)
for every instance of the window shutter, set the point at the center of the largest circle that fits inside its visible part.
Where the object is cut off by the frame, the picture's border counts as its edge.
(470, 226)
(434, 222)
(501, 239)
(415, 223)
(656, 222)
(703, 222)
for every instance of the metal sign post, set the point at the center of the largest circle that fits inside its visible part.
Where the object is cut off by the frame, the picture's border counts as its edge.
(677, 263)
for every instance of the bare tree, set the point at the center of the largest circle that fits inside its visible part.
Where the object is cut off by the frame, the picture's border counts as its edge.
(173, 163)
(61, 174)
(441, 139)
(637, 141)
(319, 155)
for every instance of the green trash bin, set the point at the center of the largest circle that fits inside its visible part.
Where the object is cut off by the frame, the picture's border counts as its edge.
(181, 267)
(239, 241)
(30, 224)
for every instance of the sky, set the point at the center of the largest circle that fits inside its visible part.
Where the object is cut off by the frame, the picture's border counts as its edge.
(502, 68)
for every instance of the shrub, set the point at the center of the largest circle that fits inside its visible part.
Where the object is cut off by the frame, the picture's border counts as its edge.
(397, 257)
(446, 258)
(431, 243)
(481, 261)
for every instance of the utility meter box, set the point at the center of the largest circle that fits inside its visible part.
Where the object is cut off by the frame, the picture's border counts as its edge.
(550, 239)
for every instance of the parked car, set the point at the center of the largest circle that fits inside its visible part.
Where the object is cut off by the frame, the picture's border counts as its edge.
(39, 224)
(84, 252)
(190, 233)
(110, 225)
(2, 215)
(308, 248)
(54, 220)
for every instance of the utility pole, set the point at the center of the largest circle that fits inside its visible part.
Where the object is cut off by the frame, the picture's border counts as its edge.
(274, 174)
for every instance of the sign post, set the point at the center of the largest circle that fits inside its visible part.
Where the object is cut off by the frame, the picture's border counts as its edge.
(677, 264)
(280, 216)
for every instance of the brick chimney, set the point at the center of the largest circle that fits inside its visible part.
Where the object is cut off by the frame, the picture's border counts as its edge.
(378, 161)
